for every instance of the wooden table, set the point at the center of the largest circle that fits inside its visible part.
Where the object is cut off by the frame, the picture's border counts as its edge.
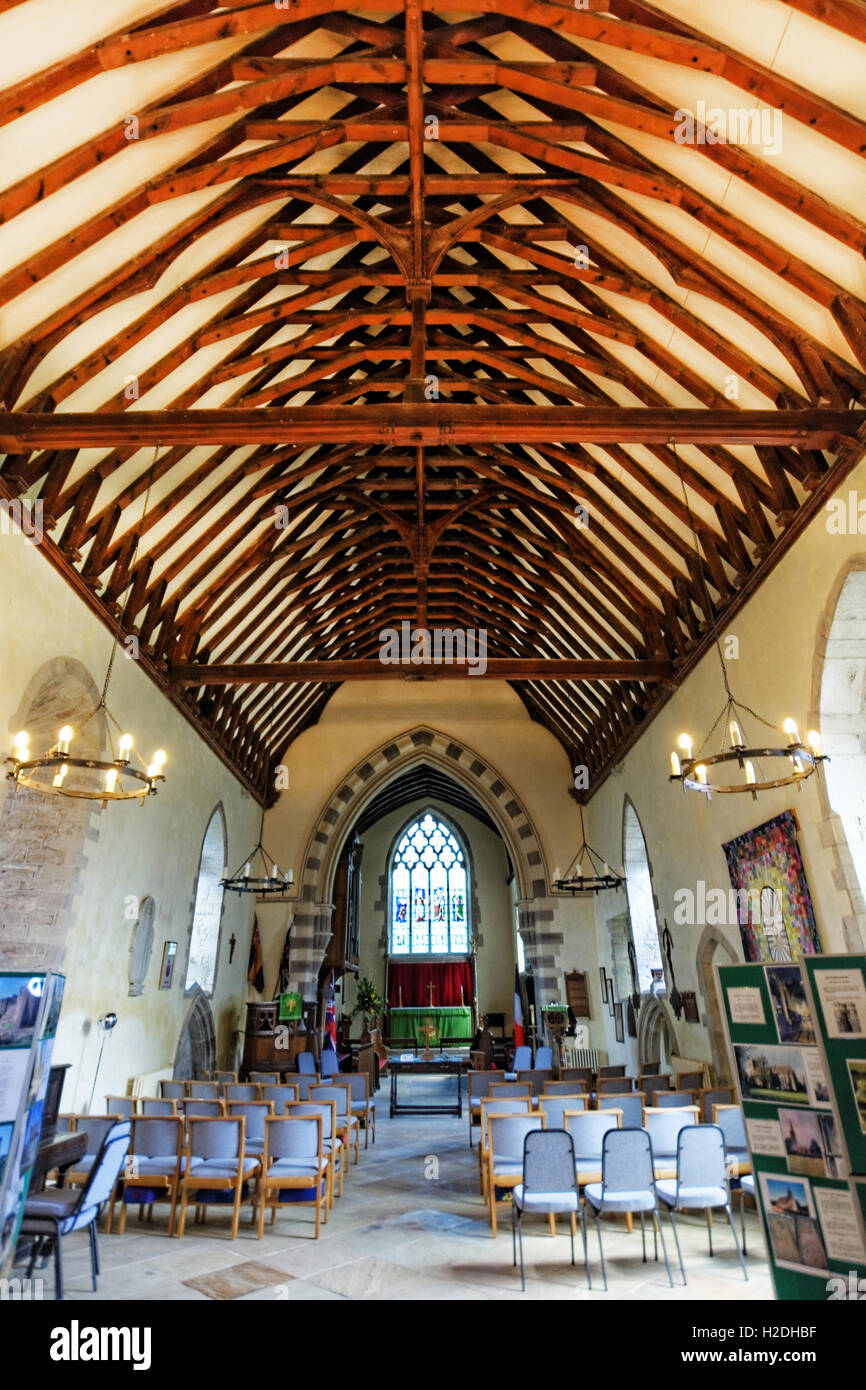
(60, 1153)
(439, 1066)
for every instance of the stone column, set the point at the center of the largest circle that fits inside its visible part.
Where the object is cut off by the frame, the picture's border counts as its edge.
(311, 932)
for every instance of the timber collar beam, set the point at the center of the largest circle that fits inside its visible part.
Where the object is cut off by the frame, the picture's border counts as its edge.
(497, 668)
(431, 423)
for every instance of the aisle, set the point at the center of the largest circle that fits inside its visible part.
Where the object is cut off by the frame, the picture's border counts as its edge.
(411, 1225)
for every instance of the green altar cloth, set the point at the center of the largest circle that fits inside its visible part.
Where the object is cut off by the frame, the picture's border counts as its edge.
(453, 1023)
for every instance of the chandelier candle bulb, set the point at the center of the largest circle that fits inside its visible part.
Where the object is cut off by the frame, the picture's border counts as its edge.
(813, 738)
(675, 765)
(64, 738)
(290, 876)
(59, 776)
(750, 773)
(125, 746)
(685, 744)
(736, 736)
(701, 773)
(111, 779)
(246, 870)
(791, 730)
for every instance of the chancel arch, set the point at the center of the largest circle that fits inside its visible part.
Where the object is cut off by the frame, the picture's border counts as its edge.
(416, 749)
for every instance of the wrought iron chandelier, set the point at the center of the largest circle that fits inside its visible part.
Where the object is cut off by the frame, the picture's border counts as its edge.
(255, 876)
(588, 872)
(59, 772)
(738, 767)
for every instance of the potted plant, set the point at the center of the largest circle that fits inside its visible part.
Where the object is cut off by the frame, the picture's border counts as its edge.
(370, 1003)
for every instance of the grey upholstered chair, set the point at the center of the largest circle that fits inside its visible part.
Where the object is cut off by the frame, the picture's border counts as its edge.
(701, 1183)
(263, 1078)
(554, 1107)
(172, 1090)
(203, 1090)
(56, 1212)
(549, 1187)
(627, 1185)
(255, 1112)
(241, 1090)
(361, 1103)
(280, 1095)
(729, 1118)
(348, 1126)
(663, 1126)
(588, 1129)
(332, 1145)
(294, 1161)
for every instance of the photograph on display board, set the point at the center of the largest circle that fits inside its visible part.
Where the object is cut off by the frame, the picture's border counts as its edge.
(812, 1144)
(857, 1074)
(6, 1132)
(774, 905)
(791, 1220)
(771, 1073)
(843, 999)
(790, 1005)
(19, 1009)
(52, 1017)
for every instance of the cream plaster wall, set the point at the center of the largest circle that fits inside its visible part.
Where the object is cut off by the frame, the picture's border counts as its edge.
(781, 633)
(135, 851)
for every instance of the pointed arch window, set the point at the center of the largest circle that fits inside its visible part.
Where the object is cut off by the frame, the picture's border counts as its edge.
(201, 963)
(429, 890)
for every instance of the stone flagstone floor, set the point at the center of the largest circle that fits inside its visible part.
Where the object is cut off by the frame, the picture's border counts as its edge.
(411, 1225)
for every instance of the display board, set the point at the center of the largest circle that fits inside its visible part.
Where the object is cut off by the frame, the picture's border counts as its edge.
(29, 1011)
(797, 1132)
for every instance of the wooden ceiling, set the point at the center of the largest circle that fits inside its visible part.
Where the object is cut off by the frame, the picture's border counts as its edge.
(314, 320)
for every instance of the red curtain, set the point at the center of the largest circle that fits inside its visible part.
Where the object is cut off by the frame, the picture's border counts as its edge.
(414, 979)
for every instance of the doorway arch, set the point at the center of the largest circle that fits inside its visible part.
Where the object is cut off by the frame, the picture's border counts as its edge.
(196, 1048)
(656, 1033)
(711, 944)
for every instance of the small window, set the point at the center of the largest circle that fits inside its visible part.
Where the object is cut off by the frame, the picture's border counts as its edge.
(208, 909)
(429, 892)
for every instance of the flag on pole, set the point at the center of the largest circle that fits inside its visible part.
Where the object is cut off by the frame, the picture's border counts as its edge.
(255, 969)
(519, 1035)
(283, 972)
(331, 1016)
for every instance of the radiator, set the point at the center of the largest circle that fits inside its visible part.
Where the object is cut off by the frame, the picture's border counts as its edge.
(580, 1056)
(147, 1084)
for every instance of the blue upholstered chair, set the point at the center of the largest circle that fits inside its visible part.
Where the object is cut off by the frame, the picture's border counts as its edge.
(588, 1129)
(348, 1125)
(663, 1126)
(152, 1105)
(241, 1090)
(307, 1064)
(505, 1135)
(124, 1106)
(522, 1062)
(630, 1105)
(222, 1076)
(203, 1090)
(495, 1105)
(543, 1058)
(362, 1105)
(554, 1107)
(58, 1211)
(280, 1095)
(216, 1165)
(329, 1062)
(263, 1078)
(153, 1165)
(305, 1083)
(729, 1118)
(294, 1161)
(627, 1185)
(701, 1183)
(255, 1112)
(549, 1187)
(332, 1145)
(674, 1100)
(172, 1090)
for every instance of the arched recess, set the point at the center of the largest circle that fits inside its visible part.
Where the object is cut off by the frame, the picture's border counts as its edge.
(43, 836)
(711, 944)
(642, 903)
(656, 1031)
(196, 1048)
(839, 710)
(208, 903)
(311, 929)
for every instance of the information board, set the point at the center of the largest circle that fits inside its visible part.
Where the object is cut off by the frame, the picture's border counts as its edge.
(796, 1131)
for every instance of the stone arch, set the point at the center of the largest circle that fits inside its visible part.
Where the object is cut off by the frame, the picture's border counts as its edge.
(208, 906)
(196, 1048)
(655, 1022)
(311, 928)
(711, 942)
(37, 887)
(832, 829)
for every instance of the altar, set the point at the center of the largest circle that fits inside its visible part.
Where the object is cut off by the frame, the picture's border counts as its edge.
(452, 1023)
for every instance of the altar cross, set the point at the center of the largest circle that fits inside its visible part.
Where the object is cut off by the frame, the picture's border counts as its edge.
(430, 987)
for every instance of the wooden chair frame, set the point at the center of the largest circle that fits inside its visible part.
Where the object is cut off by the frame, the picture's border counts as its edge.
(169, 1180)
(508, 1179)
(335, 1173)
(192, 1183)
(268, 1184)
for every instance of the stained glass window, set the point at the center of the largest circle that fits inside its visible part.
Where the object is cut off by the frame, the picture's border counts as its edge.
(429, 891)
